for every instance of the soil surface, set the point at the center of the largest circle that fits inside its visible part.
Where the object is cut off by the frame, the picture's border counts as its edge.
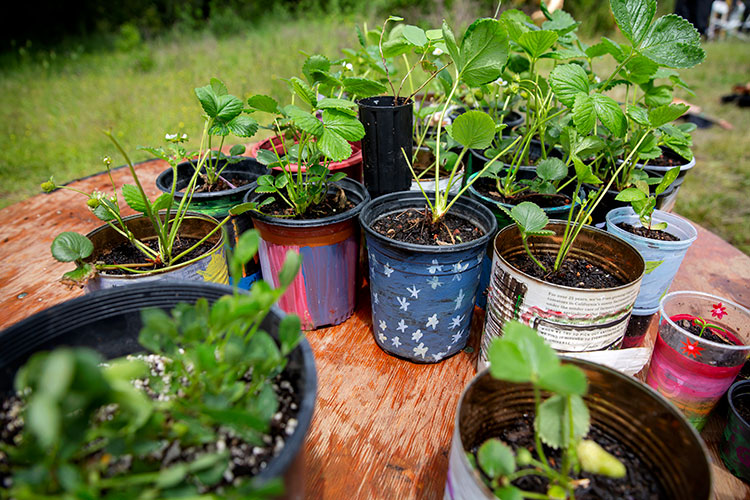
(638, 484)
(574, 273)
(742, 405)
(415, 226)
(126, 253)
(221, 184)
(486, 186)
(647, 233)
(709, 333)
(667, 159)
(334, 203)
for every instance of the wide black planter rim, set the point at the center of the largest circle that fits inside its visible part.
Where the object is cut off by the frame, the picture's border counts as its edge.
(602, 234)
(730, 398)
(166, 187)
(350, 186)
(415, 199)
(372, 102)
(44, 326)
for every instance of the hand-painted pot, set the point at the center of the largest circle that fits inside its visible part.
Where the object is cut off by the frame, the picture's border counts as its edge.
(423, 296)
(619, 406)
(217, 203)
(735, 441)
(570, 319)
(670, 198)
(388, 133)
(109, 321)
(352, 166)
(323, 293)
(210, 267)
(503, 221)
(663, 258)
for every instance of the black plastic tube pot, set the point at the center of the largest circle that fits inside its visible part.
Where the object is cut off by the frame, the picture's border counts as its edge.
(388, 132)
(735, 442)
(422, 295)
(109, 322)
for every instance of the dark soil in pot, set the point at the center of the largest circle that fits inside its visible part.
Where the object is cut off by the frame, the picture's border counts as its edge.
(668, 158)
(742, 405)
(647, 233)
(221, 184)
(126, 254)
(708, 333)
(415, 226)
(334, 203)
(639, 483)
(486, 186)
(574, 273)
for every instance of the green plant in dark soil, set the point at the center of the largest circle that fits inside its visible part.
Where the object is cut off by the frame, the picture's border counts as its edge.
(157, 425)
(644, 203)
(561, 421)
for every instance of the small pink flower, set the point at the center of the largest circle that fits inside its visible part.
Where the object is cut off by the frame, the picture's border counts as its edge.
(719, 310)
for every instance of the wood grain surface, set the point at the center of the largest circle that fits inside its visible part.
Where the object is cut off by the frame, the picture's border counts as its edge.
(382, 425)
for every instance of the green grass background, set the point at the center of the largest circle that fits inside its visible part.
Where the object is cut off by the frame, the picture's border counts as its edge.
(54, 106)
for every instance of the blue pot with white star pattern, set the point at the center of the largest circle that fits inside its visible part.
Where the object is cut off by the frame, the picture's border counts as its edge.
(422, 296)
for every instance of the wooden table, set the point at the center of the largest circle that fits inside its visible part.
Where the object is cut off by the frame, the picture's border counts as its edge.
(382, 427)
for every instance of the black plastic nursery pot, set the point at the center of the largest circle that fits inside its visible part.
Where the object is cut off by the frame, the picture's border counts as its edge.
(388, 132)
(620, 406)
(477, 160)
(324, 291)
(217, 203)
(211, 267)
(422, 296)
(577, 320)
(109, 322)
(735, 441)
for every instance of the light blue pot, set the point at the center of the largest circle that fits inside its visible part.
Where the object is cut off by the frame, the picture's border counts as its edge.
(663, 258)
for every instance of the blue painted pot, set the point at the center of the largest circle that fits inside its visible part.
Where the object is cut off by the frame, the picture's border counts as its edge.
(663, 258)
(503, 221)
(423, 296)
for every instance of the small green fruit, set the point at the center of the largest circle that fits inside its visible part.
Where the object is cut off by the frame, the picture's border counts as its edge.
(48, 186)
(557, 493)
(92, 203)
(597, 460)
(523, 457)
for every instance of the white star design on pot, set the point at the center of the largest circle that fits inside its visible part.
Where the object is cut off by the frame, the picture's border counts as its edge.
(388, 270)
(458, 269)
(375, 298)
(439, 356)
(459, 299)
(435, 267)
(382, 337)
(416, 335)
(414, 291)
(420, 350)
(434, 282)
(403, 304)
(479, 258)
(396, 342)
(373, 259)
(432, 321)
(383, 326)
(401, 326)
(456, 337)
(456, 321)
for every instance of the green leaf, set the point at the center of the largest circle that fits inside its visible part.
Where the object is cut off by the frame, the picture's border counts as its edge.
(474, 129)
(567, 81)
(673, 42)
(289, 269)
(508, 493)
(536, 43)
(560, 21)
(395, 48)
(450, 44)
(263, 103)
(484, 52)
(315, 63)
(564, 380)
(551, 169)
(638, 115)
(610, 114)
(530, 218)
(552, 421)
(339, 104)
(597, 460)
(630, 194)
(81, 273)
(668, 179)
(640, 69)
(218, 87)
(666, 114)
(208, 100)
(171, 476)
(134, 198)
(246, 247)
(633, 17)
(57, 373)
(415, 35)
(496, 458)
(304, 121)
(584, 113)
(266, 157)
(507, 362)
(584, 173)
(333, 146)
(43, 419)
(652, 264)
(303, 91)
(363, 87)
(227, 107)
(658, 96)
(70, 246)
(237, 149)
(289, 333)
(343, 124)
(242, 126)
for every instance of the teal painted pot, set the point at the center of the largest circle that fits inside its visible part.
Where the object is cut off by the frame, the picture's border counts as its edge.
(735, 441)
(503, 220)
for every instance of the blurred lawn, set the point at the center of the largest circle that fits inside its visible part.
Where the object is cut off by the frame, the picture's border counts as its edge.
(52, 111)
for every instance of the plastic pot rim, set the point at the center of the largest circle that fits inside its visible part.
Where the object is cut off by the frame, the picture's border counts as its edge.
(415, 199)
(730, 398)
(231, 168)
(368, 102)
(658, 216)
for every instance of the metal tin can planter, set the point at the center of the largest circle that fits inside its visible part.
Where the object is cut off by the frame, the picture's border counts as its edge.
(663, 258)
(352, 166)
(323, 293)
(388, 132)
(735, 441)
(619, 406)
(211, 267)
(109, 321)
(503, 221)
(570, 319)
(691, 371)
(217, 203)
(423, 296)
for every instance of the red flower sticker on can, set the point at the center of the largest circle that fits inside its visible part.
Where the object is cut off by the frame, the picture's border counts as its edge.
(719, 310)
(691, 349)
